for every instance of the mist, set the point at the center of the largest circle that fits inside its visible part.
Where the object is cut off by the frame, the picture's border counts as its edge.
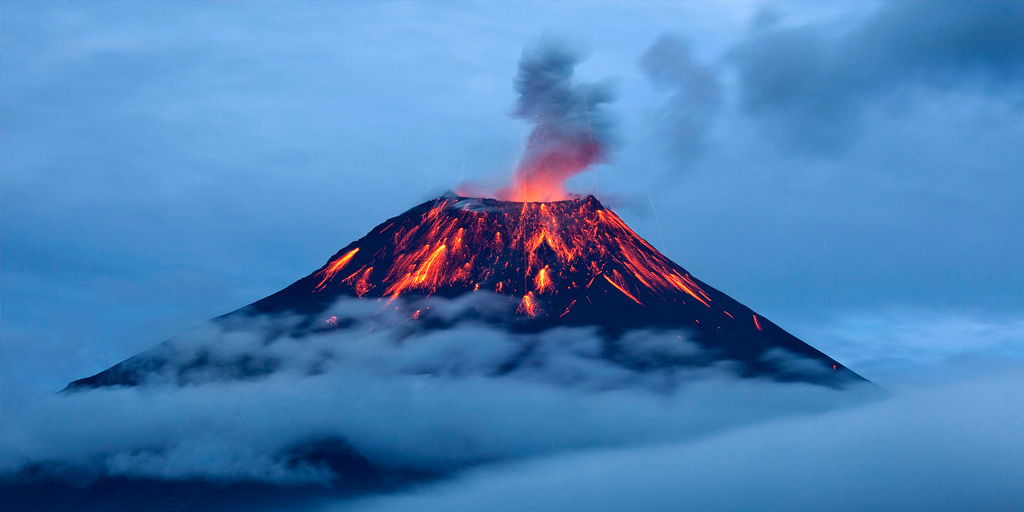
(947, 444)
(569, 429)
(434, 402)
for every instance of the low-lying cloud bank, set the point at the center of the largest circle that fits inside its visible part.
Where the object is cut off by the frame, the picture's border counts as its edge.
(469, 336)
(432, 401)
(233, 430)
(566, 428)
(953, 444)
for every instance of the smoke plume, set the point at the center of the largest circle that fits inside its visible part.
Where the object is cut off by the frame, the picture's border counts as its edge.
(570, 132)
(697, 94)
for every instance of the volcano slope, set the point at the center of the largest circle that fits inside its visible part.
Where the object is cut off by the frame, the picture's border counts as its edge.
(523, 269)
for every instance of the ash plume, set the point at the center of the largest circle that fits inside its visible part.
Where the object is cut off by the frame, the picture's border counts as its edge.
(697, 94)
(570, 131)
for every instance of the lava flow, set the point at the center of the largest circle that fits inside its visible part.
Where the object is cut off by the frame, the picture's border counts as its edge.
(570, 263)
(534, 251)
(525, 267)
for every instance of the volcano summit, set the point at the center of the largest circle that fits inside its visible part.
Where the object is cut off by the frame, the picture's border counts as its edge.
(521, 268)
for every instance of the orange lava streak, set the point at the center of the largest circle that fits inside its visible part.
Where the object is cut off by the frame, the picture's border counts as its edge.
(332, 269)
(693, 284)
(426, 275)
(676, 280)
(550, 238)
(362, 284)
(757, 323)
(648, 266)
(620, 286)
(536, 251)
(457, 243)
(404, 241)
(567, 308)
(542, 282)
(614, 220)
(528, 306)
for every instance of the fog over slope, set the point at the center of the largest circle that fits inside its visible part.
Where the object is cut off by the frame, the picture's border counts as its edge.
(942, 446)
(435, 402)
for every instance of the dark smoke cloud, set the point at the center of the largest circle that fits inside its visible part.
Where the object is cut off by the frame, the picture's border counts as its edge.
(570, 133)
(696, 94)
(811, 84)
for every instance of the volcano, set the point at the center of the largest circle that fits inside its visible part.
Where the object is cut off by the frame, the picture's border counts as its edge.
(570, 263)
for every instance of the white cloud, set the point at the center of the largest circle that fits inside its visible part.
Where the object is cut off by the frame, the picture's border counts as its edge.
(439, 402)
(950, 446)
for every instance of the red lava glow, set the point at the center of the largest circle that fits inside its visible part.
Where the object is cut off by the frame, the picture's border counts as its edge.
(529, 250)
(568, 308)
(541, 175)
(361, 284)
(542, 282)
(528, 306)
(618, 284)
(334, 267)
(757, 323)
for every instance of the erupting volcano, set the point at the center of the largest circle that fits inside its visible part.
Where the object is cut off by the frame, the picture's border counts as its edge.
(552, 260)
(563, 263)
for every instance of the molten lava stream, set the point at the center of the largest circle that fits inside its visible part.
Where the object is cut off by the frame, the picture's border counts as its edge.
(333, 269)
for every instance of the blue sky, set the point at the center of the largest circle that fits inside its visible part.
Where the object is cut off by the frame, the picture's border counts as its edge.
(852, 171)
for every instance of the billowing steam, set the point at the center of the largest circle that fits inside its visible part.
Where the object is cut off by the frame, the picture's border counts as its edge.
(569, 134)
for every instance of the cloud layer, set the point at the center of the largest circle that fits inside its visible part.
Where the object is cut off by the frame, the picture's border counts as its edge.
(815, 81)
(434, 403)
(945, 446)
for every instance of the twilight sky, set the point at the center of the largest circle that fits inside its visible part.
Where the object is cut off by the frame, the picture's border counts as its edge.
(851, 171)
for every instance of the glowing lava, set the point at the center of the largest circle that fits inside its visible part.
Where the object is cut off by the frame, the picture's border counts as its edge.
(541, 177)
(334, 267)
(534, 251)
(528, 306)
(533, 267)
